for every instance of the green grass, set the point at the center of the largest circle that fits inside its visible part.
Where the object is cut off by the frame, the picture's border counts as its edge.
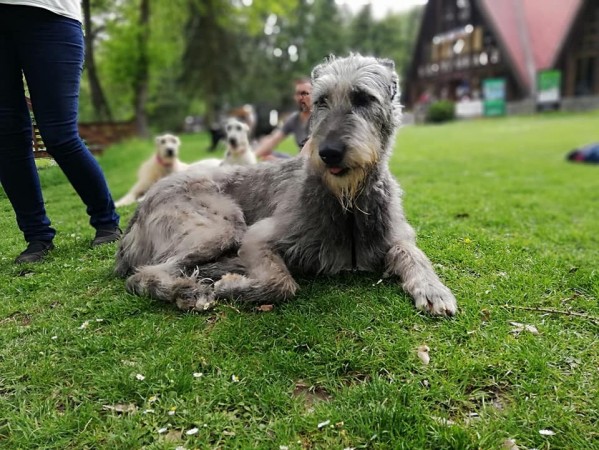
(506, 221)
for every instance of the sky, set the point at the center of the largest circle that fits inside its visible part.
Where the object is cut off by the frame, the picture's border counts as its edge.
(381, 7)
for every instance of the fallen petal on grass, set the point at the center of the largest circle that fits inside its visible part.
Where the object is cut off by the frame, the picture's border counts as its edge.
(323, 424)
(443, 421)
(121, 408)
(423, 354)
(140, 377)
(509, 444)
(192, 432)
(520, 327)
(265, 308)
(547, 432)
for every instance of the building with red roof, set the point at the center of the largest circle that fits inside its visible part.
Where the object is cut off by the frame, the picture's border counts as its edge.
(461, 43)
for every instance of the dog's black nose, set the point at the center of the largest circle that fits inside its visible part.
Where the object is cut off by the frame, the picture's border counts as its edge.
(233, 142)
(170, 152)
(331, 152)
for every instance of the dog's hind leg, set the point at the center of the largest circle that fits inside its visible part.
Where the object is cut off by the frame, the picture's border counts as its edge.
(216, 270)
(268, 280)
(167, 282)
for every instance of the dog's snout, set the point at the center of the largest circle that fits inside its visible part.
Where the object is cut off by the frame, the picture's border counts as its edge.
(233, 142)
(170, 152)
(331, 152)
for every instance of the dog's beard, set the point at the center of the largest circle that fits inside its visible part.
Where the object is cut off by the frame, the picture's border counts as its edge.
(348, 185)
(346, 188)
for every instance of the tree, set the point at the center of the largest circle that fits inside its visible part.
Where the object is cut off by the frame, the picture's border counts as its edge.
(98, 99)
(224, 44)
(325, 33)
(140, 79)
(362, 31)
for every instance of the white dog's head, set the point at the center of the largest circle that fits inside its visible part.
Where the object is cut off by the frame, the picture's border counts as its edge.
(237, 135)
(167, 149)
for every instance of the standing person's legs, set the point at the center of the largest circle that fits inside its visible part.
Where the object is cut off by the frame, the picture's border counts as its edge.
(18, 173)
(51, 52)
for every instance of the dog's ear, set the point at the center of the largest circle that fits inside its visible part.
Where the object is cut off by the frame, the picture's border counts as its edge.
(394, 88)
(157, 139)
(388, 63)
(317, 71)
(246, 127)
(177, 140)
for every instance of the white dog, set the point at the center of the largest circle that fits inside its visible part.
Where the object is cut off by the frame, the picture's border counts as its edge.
(164, 162)
(239, 151)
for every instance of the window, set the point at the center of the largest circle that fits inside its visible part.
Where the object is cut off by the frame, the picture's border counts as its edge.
(585, 75)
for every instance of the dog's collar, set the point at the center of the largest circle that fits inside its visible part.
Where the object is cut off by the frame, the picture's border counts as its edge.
(162, 162)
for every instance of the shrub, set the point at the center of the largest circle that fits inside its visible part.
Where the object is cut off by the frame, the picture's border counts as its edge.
(441, 111)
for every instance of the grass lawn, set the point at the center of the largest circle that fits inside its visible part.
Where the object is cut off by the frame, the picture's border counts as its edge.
(508, 224)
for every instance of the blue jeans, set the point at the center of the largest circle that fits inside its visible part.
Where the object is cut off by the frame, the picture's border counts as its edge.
(48, 49)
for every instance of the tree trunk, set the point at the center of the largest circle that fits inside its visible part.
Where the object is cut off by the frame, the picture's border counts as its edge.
(140, 87)
(99, 103)
(211, 58)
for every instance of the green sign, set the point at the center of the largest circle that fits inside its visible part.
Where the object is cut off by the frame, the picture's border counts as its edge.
(494, 96)
(548, 86)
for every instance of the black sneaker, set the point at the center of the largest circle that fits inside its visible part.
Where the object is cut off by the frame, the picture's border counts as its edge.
(35, 252)
(106, 236)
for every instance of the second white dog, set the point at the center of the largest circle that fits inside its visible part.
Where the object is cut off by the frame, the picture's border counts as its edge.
(164, 162)
(239, 151)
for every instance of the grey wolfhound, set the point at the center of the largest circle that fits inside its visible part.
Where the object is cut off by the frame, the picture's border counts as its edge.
(240, 232)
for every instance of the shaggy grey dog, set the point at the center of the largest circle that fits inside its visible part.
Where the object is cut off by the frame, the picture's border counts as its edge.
(240, 232)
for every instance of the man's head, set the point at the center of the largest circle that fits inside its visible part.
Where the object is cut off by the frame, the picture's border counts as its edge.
(303, 94)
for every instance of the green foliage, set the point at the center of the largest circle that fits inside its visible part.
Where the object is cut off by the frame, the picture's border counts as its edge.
(216, 52)
(508, 224)
(440, 111)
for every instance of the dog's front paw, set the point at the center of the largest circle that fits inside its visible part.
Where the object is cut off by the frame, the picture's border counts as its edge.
(435, 298)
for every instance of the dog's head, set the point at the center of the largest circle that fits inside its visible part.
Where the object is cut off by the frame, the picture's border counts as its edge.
(237, 135)
(167, 148)
(354, 118)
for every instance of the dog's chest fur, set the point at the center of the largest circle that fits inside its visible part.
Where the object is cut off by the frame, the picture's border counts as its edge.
(356, 239)
(319, 236)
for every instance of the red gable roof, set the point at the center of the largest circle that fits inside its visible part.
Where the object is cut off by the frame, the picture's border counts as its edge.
(532, 32)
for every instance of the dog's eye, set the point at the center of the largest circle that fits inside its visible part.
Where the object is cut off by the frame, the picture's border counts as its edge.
(238, 128)
(163, 141)
(361, 99)
(321, 101)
